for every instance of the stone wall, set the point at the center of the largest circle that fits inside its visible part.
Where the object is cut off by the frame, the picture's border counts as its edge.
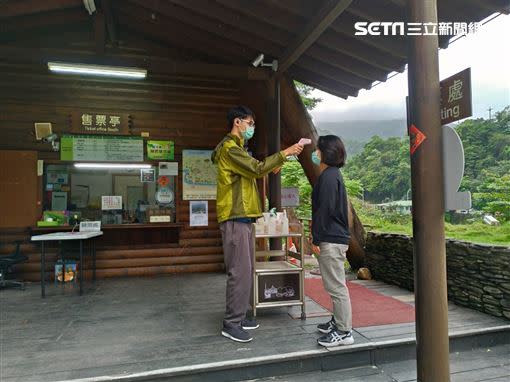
(478, 275)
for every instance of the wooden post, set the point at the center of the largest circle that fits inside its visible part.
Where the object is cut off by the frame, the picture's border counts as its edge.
(275, 183)
(432, 347)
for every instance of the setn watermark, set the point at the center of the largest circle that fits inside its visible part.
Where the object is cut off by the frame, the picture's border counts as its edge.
(400, 28)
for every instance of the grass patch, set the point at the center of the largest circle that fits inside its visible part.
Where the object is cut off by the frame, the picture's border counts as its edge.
(477, 232)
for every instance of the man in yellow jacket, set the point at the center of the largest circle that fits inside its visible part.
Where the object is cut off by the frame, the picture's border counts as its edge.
(237, 207)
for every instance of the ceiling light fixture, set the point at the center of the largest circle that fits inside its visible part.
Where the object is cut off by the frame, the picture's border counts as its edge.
(111, 165)
(97, 70)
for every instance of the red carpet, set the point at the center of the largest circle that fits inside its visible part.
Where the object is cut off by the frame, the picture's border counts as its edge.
(369, 308)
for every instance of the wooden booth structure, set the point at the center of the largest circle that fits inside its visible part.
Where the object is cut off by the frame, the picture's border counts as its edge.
(198, 56)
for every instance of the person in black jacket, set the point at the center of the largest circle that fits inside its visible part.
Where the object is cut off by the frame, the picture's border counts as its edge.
(330, 238)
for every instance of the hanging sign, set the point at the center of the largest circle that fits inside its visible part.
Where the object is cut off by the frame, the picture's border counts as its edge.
(456, 97)
(100, 123)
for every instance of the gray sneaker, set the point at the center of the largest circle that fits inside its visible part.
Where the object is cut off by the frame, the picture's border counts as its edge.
(249, 324)
(327, 327)
(236, 333)
(336, 338)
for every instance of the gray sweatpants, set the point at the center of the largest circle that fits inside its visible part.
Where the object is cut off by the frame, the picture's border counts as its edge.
(238, 252)
(331, 262)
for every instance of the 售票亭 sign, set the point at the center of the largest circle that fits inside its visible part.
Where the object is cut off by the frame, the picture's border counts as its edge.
(100, 123)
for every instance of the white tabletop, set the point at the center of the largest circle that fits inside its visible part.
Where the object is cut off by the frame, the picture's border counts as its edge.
(66, 236)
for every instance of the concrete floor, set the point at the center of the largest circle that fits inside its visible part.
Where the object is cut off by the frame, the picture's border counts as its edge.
(478, 365)
(137, 325)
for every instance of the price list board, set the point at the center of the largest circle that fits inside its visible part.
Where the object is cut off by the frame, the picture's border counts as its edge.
(101, 148)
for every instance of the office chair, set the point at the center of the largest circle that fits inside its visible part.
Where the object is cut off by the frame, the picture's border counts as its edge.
(6, 264)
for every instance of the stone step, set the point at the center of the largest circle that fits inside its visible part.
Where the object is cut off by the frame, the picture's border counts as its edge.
(357, 359)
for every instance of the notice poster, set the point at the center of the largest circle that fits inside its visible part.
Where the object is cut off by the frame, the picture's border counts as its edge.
(198, 175)
(198, 213)
(113, 202)
(168, 169)
(58, 201)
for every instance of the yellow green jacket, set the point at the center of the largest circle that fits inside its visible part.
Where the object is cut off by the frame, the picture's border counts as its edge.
(237, 193)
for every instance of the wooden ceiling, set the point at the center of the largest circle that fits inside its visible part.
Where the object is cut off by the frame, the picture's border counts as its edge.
(313, 40)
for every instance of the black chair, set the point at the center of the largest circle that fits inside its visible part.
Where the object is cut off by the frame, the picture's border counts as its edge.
(6, 264)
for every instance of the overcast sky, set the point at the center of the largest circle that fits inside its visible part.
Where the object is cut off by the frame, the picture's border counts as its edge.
(485, 51)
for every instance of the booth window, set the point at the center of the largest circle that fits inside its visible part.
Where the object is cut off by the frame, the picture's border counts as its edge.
(112, 196)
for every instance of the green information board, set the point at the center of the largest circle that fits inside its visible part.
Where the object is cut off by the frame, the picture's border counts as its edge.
(160, 150)
(101, 148)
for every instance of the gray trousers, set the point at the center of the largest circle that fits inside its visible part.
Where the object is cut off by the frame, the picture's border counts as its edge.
(331, 263)
(238, 252)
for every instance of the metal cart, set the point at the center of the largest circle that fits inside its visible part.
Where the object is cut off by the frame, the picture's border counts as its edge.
(282, 282)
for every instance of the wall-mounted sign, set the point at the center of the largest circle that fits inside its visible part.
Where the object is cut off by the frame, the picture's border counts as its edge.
(147, 175)
(160, 150)
(100, 123)
(101, 148)
(168, 169)
(111, 202)
(456, 97)
(290, 197)
(198, 175)
(164, 195)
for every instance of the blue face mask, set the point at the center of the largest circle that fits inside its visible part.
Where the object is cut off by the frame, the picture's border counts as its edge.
(248, 133)
(315, 158)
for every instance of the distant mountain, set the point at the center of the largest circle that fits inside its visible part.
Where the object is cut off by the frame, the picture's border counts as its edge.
(363, 130)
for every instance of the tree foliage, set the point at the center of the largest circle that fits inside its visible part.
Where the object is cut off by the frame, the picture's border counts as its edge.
(383, 166)
(305, 94)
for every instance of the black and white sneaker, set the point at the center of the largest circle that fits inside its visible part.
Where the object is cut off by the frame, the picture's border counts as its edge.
(236, 333)
(336, 338)
(249, 324)
(328, 326)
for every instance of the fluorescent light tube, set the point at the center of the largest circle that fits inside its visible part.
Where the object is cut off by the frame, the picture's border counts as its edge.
(97, 70)
(111, 165)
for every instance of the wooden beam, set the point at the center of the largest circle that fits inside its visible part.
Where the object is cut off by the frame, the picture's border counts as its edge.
(110, 22)
(377, 11)
(156, 65)
(329, 39)
(176, 33)
(315, 27)
(502, 6)
(317, 81)
(269, 32)
(19, 8)
(228, 33)
(46, 20)
(99, 31)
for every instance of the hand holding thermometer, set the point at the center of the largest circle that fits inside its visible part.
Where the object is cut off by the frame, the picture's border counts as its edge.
(304, 141)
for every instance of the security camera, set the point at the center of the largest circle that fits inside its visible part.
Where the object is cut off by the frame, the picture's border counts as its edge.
(50, 138)
(258, 60)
